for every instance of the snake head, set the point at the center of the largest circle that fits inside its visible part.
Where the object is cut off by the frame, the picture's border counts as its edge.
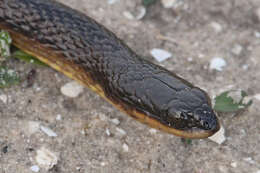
(191, 116)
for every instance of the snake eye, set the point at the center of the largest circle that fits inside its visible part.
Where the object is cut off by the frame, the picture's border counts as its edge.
(206, 125)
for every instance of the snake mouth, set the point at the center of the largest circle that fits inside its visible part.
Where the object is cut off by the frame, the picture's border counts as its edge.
(197, 133)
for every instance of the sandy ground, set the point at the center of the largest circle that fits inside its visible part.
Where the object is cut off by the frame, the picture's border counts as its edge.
(89, 139)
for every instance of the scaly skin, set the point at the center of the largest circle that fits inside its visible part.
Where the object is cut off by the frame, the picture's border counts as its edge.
(86, 51)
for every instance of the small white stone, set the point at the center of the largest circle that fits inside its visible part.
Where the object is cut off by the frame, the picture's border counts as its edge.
(128, 15)
(257, 96)
(216, 26)
(35, 168)
(160, 54)
(121, 131)
(48, 131)
(258, 171)
(234, 164)
(72, 89)
(257, 34)
(138, 14)
(46, 158)
(237, 49)
(110, 2)
(115, 121)
(33, 127)
(168, 3)
(219, 137)
(153, 131)
(108, 132)
(245, 67)
(3, 98)
(58, 117)
(217, 63)
(190, 59)
(103, 163)
(249, 160)
(125, 147)
(142, 12)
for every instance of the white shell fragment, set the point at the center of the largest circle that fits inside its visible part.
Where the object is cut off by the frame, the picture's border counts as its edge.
(160, 54)
(46, 158)
(35, 168)
(48, 131)
(72, 89)
(219, 137)
(217, 63)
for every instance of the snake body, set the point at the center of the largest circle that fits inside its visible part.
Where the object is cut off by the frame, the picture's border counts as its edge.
(76, 45)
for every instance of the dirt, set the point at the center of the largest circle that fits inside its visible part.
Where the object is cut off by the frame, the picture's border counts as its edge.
(87, 139)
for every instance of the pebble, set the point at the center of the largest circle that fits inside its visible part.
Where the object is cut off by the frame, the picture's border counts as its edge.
(190, 59)
(58, 118)
(33, 127)
(234, 164)
(258, 171)
(35, 168)
(257, 96)
(168, 3)
(72, 89)
(245, 67)
(257, 34)
(48, 131)
(108, 132)
(138, 14)
(249, 160)
(219, 137)
(237, 49)
(160, 54)
(45, 158)
(153, 131)
(217, 63)
(3, 97)
(121, 131)
(216, 26)
(125, 147)
(110, 2)
(115, 121)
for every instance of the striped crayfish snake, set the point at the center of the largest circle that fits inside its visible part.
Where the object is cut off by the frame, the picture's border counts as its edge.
(76, 45)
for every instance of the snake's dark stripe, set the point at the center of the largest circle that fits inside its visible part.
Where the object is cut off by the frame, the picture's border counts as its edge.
(86, 51)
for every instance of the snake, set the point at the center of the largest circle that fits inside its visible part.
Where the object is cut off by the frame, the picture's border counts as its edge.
(78, 46)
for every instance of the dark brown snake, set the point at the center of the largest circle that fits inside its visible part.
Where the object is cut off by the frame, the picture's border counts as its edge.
(76, 45)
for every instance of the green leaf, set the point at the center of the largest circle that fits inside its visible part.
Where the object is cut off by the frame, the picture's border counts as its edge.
(27, 58)
(225, 103)
(147, 3)
(186, 141)
(5, 42)
(8, 77)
